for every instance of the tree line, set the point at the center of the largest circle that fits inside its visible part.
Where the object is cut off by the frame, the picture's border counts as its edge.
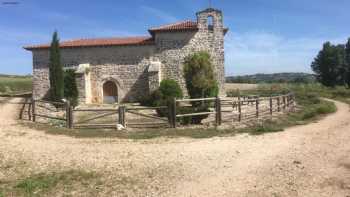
(273, 78)
(332, 65)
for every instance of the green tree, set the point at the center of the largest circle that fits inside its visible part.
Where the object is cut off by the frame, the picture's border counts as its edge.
(329, 65)
(199, 76)
(347, 62)
(56, 70)
(170, 89)
(70, 87)
(200, 83)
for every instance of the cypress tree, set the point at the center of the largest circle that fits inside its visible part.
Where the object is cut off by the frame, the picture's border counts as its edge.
(56, 70)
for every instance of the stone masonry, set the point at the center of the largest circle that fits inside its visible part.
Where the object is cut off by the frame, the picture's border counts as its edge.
(136, 66)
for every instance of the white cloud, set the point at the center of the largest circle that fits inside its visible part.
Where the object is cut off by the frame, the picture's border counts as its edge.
(262, 52)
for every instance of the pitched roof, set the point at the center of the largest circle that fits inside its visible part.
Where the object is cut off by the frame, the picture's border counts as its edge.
(146, 40)
(183, 25)
(179, 26)
(98, 42)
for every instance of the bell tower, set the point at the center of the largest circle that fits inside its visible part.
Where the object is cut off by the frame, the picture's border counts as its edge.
(212, 31)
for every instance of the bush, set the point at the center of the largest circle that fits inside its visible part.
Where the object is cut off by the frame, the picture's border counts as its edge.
(70, 87)
(192, 119)
(170, 89)
(324, 107)
(199, 76)
(341, 92)
(151, 99)
(200, 82)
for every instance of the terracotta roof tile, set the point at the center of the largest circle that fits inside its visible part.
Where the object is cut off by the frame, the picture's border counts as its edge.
(179, 26)
(183, 25)
(98, 42)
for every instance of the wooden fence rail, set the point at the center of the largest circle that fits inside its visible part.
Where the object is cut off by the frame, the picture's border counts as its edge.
(272, 104)
(221, 110)
(35, 113)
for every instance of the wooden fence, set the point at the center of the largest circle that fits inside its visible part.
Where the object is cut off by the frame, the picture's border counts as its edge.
(221, 110)
(49, 109)
(245, 108)
(96, 118)
(174, 114)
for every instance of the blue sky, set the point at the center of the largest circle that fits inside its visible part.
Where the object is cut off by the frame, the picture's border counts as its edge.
(265, 36)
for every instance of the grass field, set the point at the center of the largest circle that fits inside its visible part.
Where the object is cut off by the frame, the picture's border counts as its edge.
(15, 84)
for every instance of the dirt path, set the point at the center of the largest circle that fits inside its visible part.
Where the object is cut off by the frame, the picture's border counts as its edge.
(311, 160)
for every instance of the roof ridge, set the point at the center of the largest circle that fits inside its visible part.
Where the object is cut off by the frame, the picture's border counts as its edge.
(172, 24)
(105, 38)
(98, 42)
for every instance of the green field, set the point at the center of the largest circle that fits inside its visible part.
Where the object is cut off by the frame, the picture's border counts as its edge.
(15, 84)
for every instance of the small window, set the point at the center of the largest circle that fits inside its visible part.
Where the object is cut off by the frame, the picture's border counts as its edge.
(210, 22)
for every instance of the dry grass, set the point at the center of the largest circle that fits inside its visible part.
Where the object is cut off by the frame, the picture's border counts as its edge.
(240, 86)
(13, 85)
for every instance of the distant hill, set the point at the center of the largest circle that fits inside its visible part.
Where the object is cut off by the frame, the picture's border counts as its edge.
(15, 76)
(273, 78)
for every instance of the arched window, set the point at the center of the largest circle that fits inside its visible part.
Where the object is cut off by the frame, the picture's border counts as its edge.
(110, 92)
(210, 22)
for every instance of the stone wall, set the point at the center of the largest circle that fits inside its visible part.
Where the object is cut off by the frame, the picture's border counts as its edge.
(173, 47)
(214, 35)
(41, 83)
(80, 80)
(127, 66)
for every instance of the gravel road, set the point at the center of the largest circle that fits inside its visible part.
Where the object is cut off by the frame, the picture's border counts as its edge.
(309, 160)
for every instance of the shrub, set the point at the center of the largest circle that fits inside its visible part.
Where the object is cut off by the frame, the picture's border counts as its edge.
(192, 119)
(341, 92)
(151, 99)
(199, 76)
(70, 87)
(170, 89)
(200, 82)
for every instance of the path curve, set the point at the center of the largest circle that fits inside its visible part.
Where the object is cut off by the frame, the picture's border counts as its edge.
(309, 160)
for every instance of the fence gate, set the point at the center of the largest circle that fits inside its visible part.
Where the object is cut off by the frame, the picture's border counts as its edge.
(145, 117)
(95, 118)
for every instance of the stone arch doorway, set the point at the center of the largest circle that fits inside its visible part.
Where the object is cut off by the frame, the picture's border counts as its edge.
(110, 92)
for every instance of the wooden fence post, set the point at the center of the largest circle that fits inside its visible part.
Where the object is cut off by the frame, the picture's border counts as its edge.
(30, 111)
(174, 113)
(121, 115)
(71, 115)
(278, 104)
(271, 109)
(218, 111)
(293, 101)
(68, 115)
(33, 111)
(239, 109)
(257, 107)
(170, 114)
(284, 102)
